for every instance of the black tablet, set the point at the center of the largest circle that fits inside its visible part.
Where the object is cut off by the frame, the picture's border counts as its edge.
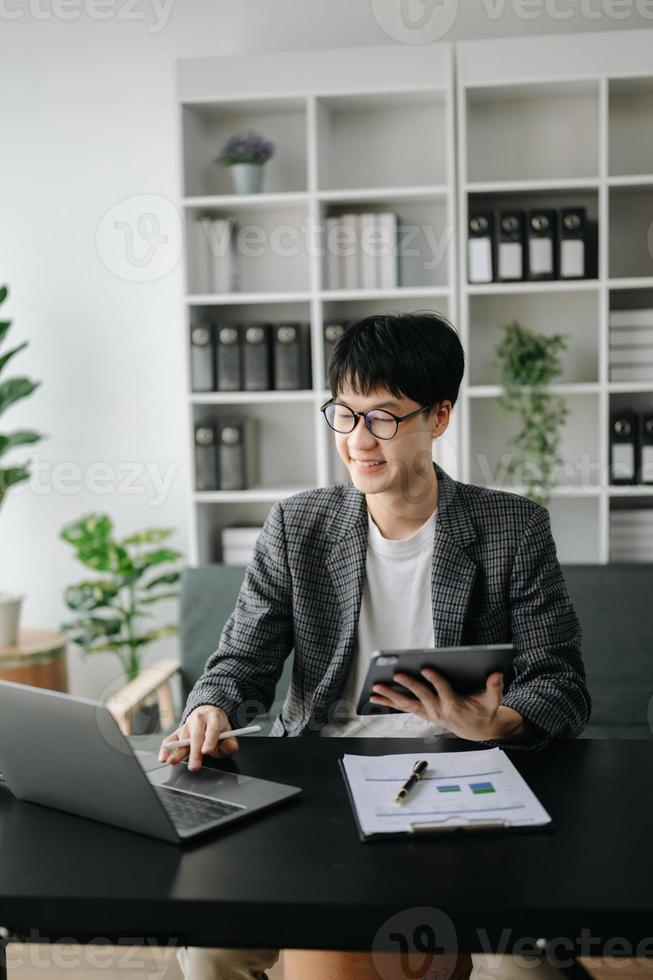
(466, 669)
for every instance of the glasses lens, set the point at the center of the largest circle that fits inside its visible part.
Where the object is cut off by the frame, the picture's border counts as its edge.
(383, 426)
(340, 417)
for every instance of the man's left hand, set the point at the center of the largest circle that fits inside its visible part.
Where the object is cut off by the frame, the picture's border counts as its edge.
(477, 717)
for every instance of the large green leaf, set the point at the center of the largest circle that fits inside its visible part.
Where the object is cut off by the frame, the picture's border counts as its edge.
(169, 579)
(88, 528)
(156, 598)
(104, 556)
(11, 353)
(4, 292)
(11, 476)
(85, 596)
(151, 535)
(19, 438)
(4, 329)
(14, 389)
(157, 557)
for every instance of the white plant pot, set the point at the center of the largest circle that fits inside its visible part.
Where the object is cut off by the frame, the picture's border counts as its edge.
(247, 177)
(9, 618)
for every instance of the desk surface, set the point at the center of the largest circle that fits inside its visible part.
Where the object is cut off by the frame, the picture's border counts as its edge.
(299, 876)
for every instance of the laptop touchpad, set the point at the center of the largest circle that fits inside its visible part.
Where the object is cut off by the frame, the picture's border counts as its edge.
(206, 782)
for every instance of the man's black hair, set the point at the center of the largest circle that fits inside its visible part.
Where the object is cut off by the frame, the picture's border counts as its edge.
(418, 355)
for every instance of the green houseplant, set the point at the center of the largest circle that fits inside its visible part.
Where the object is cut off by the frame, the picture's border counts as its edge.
(528, 363)
(12, 390)
(111, 609)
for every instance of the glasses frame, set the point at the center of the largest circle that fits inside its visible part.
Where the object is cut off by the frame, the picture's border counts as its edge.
(363, 415)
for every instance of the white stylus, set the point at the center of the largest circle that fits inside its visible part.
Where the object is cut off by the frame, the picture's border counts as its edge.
(183, 743)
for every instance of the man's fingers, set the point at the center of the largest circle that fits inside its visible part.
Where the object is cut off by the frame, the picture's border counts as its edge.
(172, 755)
(441, 684)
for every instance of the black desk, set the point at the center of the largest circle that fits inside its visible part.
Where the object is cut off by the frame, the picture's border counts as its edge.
(299, 877)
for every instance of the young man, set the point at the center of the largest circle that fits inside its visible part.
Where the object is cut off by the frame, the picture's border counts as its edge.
(403, 556)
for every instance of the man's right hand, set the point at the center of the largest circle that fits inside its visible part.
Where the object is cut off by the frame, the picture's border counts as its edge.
(202, 727)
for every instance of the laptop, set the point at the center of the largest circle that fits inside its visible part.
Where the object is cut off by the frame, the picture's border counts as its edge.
(69, 753)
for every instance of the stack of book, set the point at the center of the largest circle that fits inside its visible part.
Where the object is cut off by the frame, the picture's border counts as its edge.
(238, 544)
(214, 254)
(226, 455)
(631, 345)
(361, 251)
(631, 535)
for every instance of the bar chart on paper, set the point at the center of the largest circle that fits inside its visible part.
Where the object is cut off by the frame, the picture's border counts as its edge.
(457, 789)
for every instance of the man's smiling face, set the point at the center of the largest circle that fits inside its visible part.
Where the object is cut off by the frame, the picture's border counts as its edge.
(399, 462)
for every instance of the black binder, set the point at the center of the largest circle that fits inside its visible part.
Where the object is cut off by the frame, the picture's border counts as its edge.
(228, 355)
(202, 357)
(542, 250)
(206, 460)
(572, 238)
(646, 447)
(332, 334)
(237, 453)
(292, 356)
(481, 247)
(511, 263)
(257, 357)
(624, 464)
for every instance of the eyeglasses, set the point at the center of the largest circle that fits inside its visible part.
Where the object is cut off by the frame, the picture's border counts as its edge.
(382, 425)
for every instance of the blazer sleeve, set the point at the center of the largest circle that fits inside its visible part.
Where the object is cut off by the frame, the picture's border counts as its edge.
(549, 688)
(241, 675)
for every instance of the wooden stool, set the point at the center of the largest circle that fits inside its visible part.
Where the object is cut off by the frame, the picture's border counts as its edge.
(39, 659)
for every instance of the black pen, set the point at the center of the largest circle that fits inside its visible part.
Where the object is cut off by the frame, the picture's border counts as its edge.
(414, 778)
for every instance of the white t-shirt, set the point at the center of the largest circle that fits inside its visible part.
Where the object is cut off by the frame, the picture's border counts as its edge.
(396, 612)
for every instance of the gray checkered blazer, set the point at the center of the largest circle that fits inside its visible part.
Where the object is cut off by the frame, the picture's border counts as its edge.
(495, 579)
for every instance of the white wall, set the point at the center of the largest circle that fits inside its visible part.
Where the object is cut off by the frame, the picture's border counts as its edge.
(88, 120)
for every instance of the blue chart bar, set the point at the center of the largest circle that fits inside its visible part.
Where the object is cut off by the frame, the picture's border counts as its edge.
(477, 788)
(448, 789)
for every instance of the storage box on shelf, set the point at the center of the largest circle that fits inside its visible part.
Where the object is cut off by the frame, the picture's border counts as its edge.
(546, 123)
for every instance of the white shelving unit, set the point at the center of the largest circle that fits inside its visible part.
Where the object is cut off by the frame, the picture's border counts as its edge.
(553, 121)
(356, 129)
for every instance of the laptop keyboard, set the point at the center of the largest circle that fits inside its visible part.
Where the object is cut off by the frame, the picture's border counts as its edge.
(191, 812)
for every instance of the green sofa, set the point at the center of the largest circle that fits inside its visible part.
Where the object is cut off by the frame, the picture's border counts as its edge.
(612, 603)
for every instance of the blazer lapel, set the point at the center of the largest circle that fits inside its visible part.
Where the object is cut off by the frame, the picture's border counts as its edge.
(453, 573)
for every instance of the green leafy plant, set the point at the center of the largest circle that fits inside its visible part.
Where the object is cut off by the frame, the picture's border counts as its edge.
(11, 391)
(528, 362)
(111, 608)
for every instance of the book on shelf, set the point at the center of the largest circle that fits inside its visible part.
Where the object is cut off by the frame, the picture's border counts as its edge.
(635, 356)
(631, 336)
(641, 372)
(362, 250)
(224, 257)
(237, 452)
(631, 318)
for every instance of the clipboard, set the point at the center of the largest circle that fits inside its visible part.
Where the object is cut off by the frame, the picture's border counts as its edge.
(436, 829)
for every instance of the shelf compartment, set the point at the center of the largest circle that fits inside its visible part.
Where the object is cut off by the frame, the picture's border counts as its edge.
(630, 134)
(549, 198)
(362, 140)
(207, 126)
(271, 245)
(281, 428)
(491, 431)
(631, 232)
(575, 315)
(424, 239)
(533, 131)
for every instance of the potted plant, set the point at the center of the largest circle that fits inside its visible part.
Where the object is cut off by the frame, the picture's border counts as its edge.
(528, 363)
(245, 154)
(12, 390)
(112, 609)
